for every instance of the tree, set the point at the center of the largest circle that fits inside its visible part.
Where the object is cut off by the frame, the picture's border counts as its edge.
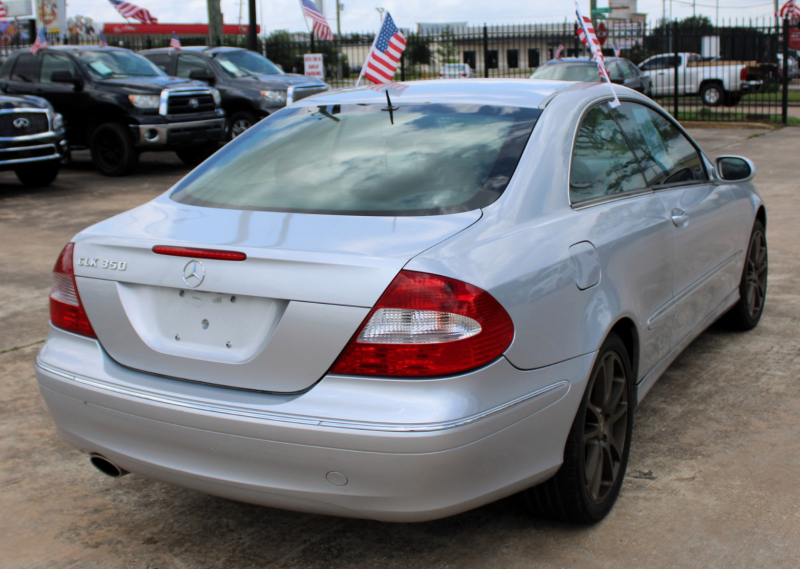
(418, 50)
(447, 50)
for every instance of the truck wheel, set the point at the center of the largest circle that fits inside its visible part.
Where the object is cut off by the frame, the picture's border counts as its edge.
(746, 313)
(599, 442)
(194, 155)
(112, 148)
(712, 94)
(37, 175)
(240, 122)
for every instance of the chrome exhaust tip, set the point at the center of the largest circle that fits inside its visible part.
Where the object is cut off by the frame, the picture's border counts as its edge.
(105, 466)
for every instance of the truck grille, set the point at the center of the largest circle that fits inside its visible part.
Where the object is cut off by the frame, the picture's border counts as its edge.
(306, 91)
(36, 123)
(185, 104)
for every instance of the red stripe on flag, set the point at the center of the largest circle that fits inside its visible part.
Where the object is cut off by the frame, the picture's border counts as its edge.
(379, 71)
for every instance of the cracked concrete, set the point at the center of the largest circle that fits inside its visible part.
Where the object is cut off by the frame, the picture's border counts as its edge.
(712, 480)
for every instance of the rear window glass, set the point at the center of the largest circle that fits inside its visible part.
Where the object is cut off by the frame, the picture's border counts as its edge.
(420, 159)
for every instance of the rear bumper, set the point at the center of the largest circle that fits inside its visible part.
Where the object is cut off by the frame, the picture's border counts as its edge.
(381, 449)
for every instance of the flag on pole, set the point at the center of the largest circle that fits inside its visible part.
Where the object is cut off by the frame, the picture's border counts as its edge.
(41, 41)
(384, 57)
(174, 42)
(103, 42)
(559, 50)
(587, 36)
(3, 14)
(320, 29)
(617, 51)
(789, 10)
(133, 11)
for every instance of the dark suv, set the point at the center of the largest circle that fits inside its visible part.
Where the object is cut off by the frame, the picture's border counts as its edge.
(32, 141)
(118, 104)
(252, 87)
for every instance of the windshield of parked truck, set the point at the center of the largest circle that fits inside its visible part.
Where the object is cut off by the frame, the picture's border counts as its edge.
(361, 159)
(111, 64)
(242, 63)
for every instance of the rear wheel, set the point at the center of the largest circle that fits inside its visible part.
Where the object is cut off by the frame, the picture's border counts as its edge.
(113, 152)
(746, 313)
(596, 454)
(38, 174)
(194, 155)
(712, 94)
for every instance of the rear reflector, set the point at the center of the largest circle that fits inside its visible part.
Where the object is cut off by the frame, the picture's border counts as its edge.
(66, 309)
(425, 326)
(196, 253)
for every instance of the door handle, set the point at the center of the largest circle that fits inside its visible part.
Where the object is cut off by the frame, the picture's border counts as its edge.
(679, 217)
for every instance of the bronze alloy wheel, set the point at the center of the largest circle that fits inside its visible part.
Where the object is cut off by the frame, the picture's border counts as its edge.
(605, 427)
(755, 274)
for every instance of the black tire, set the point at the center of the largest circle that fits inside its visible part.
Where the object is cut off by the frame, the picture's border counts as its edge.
(38, 174)
(712, 94)
(240, 122)
(573, 494)
(731, 99)
(194, 155)
(113, 152)
(746, 313)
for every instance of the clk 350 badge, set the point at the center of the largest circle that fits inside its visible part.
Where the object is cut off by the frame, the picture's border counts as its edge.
(102, 263)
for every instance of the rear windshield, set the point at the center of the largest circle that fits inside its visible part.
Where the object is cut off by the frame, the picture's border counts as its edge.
(561, 72)
(418, 159)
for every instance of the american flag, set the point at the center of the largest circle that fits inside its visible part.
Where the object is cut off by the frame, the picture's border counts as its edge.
(321, 29)
(3, 14)
(384, 57)
(587, 36)
(559, 51)
(395, 87)
(617, 51)
(789, 10)
(41, 41)
(129, 10)
(174, 42)
(103, 42)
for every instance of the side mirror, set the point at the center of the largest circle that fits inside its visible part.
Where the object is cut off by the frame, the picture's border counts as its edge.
(64, 76)
(202, 75)
(735, 169)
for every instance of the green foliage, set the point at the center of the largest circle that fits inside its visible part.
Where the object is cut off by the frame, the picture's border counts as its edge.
(418, 50)
(447, 50)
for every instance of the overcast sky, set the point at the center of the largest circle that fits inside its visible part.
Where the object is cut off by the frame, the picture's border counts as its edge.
(360, 15)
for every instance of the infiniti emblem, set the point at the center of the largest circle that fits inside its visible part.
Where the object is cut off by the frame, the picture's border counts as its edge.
(193, 274)
(193, 103)
(21, 123)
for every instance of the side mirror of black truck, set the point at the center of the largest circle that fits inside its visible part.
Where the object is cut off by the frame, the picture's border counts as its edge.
(203, 75)
(64, 76)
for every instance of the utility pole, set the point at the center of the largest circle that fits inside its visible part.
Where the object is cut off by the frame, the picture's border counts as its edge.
(339, 8)
(592, 8)
(252, 39)
(214, 22)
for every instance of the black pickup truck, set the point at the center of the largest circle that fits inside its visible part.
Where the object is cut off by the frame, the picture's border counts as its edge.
(32, 141)
(118, 104)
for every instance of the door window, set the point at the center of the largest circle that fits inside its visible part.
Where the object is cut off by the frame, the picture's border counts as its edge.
(52, 63)
(25, 69)
(602, 162)
(160, 59)
(614, 71)
(629, 71)
(666, 155)
(188, 63)
(661, 62)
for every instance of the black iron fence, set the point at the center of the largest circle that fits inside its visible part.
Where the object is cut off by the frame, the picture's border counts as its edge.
(738, 71)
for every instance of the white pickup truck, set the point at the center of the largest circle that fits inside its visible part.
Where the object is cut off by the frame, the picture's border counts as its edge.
(717, 82)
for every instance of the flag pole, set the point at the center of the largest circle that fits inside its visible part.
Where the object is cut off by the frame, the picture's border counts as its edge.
(360, 75)
(600, 64)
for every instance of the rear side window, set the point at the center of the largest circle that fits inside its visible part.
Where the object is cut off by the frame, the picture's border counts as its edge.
(666, 155)
(25, 69)
(360, 159)
(602, 162)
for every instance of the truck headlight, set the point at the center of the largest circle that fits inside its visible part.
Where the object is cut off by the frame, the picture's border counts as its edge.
(277, 97)
(217, 97)
(58, 121)
(145, 101)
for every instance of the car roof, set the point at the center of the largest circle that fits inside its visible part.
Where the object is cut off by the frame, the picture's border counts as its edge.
(75, 48)
(195, 49)
(497, 92)
(582, 61)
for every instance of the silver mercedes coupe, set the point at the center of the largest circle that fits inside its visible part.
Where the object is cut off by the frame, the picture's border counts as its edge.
(404, 303)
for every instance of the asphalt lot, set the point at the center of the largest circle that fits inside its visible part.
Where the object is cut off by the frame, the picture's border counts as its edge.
(712, 479)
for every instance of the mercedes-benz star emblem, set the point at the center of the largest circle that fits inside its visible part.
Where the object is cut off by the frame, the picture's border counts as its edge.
(193, 274)
(21, 123)
(193, 103)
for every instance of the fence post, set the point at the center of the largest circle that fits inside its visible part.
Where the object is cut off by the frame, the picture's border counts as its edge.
(403, 66)
(785, 71)
(485, 51)
(677, 64)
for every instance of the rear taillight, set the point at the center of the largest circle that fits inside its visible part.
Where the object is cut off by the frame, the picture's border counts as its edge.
(427, 325)
(463, 74)
(66, 310)
(743, 74)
